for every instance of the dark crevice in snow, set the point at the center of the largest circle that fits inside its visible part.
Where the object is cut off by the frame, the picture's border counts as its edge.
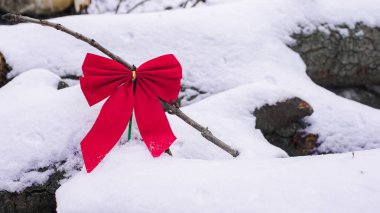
(4, 70)
(71, 77)
(190, 94)
(36, 198)
(366, 94)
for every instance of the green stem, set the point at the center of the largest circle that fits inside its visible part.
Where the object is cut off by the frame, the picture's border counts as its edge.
(130, 128)
(130, 120)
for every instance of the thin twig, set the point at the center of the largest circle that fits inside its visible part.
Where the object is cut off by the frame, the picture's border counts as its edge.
(205, 132)
(184, 4)
(172, 109)
(118, 6)
(197, 2)
(136, 6)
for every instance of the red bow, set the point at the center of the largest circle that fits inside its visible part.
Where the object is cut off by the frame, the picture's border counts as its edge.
(156, 79)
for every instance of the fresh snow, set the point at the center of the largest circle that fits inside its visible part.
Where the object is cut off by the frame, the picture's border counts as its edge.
(236, 53)
(39, 126)
(129, 182)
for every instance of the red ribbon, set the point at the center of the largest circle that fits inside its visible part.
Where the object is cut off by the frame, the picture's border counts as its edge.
(156, 79)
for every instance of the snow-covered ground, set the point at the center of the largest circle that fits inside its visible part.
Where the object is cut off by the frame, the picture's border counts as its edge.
(336, 183)
(236, 53)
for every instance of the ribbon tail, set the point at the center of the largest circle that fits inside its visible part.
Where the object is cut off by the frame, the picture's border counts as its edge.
(151, 120)
(108, 127)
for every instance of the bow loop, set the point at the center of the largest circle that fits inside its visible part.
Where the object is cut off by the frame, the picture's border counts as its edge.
(162, 75)
(165, 66)
(102, 77)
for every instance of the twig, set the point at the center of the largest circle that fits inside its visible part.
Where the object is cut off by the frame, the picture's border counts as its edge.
(205, 132)
(197, 2)
(172, 109)
(118, 6)
(136, 6)
(184, 4)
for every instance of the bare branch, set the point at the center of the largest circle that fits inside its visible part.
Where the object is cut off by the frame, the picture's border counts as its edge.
(197, 2)
(136, 6)
(118, 6)
(172, 109)
(205, 132)
(184, 4)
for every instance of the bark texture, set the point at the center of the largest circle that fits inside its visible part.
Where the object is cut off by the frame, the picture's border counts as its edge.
(344, 60)
(36, 7)
(282, 125)
(39, 198)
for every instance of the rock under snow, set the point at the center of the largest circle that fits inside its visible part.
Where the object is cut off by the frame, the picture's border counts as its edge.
(282, 124)
(343, 59)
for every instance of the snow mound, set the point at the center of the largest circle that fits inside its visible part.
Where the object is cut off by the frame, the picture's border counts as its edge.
(40, 126)
(128, 182)
(43, 126)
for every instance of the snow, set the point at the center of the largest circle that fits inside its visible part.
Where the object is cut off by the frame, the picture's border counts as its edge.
(235, 52)
(39, 126)
(335, 183)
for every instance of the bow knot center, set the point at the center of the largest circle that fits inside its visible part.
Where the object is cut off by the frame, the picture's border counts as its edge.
(133, 75)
